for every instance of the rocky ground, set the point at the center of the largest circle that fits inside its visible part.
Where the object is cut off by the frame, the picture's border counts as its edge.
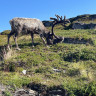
(33, 90)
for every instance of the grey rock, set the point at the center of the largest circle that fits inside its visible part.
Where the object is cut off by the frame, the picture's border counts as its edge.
(21, 92)
(56, 70)
(79, 25)
(32, 93)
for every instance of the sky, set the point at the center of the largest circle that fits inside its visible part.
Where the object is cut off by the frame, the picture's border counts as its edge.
(43, 9)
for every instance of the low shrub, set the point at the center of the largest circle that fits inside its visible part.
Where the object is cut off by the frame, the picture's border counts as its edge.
(73, 72)
(43, 70)
(7, 93)
(79, 90)
(9, 66)
(84, 54)
(90, 89)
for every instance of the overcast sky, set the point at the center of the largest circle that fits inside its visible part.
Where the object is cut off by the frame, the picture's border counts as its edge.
(43, 9)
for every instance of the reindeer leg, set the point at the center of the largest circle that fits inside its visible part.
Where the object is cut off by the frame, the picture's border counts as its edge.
(43, 40)
(15, 38)
(9, 35)
(9, 42)
(32, 36)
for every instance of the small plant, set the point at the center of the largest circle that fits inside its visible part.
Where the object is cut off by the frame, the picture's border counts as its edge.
(73, 72)
(88, 54)
(72, 56)
(7, 93)
(43, 70)
(9, 66)
(90, 89)
(12, 67)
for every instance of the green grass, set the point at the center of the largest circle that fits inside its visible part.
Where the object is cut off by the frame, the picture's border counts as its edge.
(87, 18)
(5, 32)
(76, 62)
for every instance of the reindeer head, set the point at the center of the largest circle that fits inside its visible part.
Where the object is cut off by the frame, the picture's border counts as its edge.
(49, 38)
(50, 35)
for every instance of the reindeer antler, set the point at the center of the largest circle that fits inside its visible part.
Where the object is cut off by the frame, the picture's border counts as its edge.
(58, 20)
(58, 17)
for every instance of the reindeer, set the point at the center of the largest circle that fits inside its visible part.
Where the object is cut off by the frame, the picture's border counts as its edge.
(35, 26)
(28, 26)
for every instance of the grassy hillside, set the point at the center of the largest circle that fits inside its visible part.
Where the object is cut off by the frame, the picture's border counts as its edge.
(87, 18)
(5, 32)
(69, 66)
